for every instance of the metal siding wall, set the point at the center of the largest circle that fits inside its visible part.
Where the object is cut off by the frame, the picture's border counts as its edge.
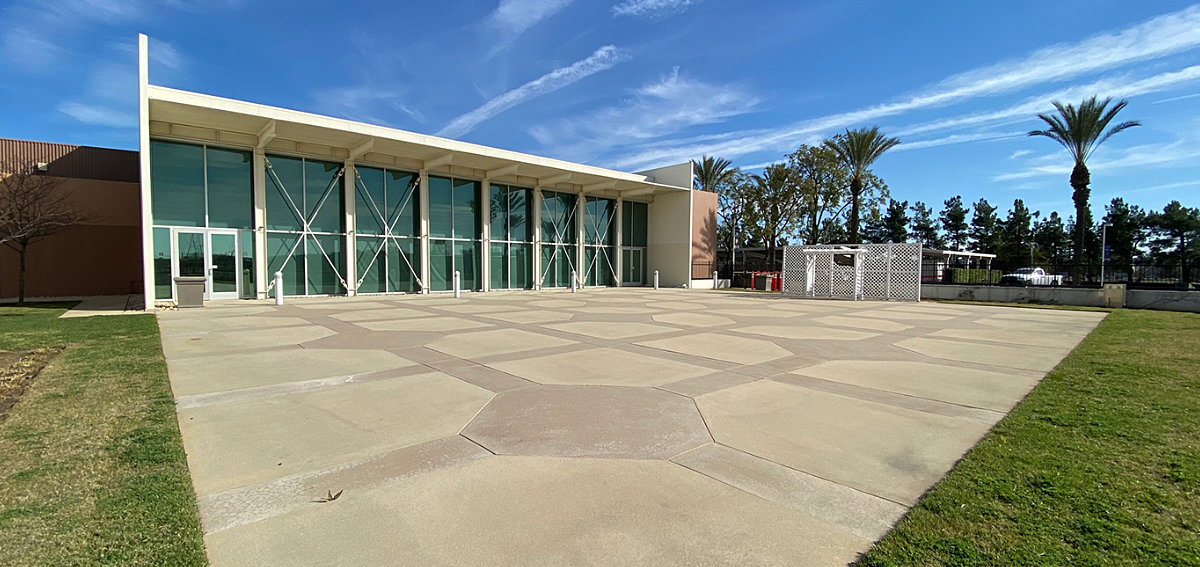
(80, 162)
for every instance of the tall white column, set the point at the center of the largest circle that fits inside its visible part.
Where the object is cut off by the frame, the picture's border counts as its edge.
(485, 256)
(579, 255)
(423, 201)
(537, 237)
(349, 184)
(620, 254)
(261, 277)
(144, 169)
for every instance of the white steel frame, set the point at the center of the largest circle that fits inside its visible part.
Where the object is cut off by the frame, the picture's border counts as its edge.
(306, 231)
(389, 226)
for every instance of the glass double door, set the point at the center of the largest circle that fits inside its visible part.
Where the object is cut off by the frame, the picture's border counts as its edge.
(633, 266)
(213, 255)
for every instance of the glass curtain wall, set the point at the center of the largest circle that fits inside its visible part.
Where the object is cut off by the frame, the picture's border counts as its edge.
(204, 190)
(306, 225)
(633, 242)
(455, 233)
(511, 237)
(599, 240)
(559, 238)
(387, 230)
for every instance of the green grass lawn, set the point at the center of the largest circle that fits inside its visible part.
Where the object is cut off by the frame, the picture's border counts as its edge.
(92, 469)
(1100, 465)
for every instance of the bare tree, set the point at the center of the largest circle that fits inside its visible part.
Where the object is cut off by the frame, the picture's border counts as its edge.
(33, 206)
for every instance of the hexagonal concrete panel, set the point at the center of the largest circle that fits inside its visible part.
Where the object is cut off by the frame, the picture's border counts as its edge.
(601, 367)
(589, 421)
(739, 350)
(891, 452)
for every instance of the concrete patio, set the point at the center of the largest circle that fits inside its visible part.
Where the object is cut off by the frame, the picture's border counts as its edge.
(608, 427)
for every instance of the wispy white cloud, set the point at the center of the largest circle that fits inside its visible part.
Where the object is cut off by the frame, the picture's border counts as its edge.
(1152, 188)
(668, 105)
(513, 17)
(1117, 87)
(1181, 152)
(1159, 37)
(958, 139)
(1175, 98)
(1020, 154)
(96, 115)
(602, 59)
(363, 101)
(651, 8)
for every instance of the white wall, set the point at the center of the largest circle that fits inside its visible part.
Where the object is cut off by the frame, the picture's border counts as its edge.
(669, 239)
(679, 175)
(1165, 300)
(1010, 294)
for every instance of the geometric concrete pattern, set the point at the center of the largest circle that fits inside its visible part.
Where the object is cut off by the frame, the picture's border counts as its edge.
(608, 427)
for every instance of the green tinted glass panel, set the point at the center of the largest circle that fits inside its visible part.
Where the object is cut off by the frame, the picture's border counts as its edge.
(371, 263)
(225, 262)
(190, 247)
(498, 213)
(162, 263)
(230, 189)
(547, 275)
(564, 260)
(441, 265)
(369, 201)
(467, 223)
(520, 217)
(248, 288)
(627, 223)
(323, 196)
(177, 183)
(402, 203)
(520, 266)
(278, 246)
(638, 237)
(403, 265)
(441, 207)
(285, 193)
(598, 216)
(467, 262)
(499, 266)
(323, 269)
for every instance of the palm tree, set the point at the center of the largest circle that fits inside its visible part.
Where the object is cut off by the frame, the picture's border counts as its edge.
(712, 172)
(857, 150)
(1081, 131)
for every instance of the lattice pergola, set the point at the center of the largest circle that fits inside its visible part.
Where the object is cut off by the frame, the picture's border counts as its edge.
(874, 271)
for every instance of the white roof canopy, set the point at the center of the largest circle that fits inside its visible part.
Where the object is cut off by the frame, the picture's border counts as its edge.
(192, 116)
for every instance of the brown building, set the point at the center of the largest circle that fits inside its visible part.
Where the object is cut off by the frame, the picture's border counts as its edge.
(102, 256)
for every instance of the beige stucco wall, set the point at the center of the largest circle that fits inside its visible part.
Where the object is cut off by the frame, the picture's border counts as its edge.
(704, 234)
(668, 239)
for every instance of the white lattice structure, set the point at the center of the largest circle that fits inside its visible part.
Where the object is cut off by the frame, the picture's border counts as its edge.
(854, 271)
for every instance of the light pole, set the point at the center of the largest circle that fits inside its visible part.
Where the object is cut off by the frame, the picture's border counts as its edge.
(1103, 249)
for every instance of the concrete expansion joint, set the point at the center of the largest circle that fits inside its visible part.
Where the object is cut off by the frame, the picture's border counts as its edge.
(803, 472)
(887, 393)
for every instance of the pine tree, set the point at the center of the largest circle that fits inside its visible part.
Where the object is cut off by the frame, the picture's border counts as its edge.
(984, 224)
(923, 227)
(954, 223)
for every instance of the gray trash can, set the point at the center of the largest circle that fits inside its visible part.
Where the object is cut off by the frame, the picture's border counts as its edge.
(189, 291)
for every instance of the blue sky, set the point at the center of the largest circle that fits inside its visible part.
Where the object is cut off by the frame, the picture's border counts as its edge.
(633, 84)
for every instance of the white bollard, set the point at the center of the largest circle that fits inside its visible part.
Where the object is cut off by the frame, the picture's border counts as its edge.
(714, 279)
(574, 282)
(278, 288)
(457, 285)
(655, 279)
